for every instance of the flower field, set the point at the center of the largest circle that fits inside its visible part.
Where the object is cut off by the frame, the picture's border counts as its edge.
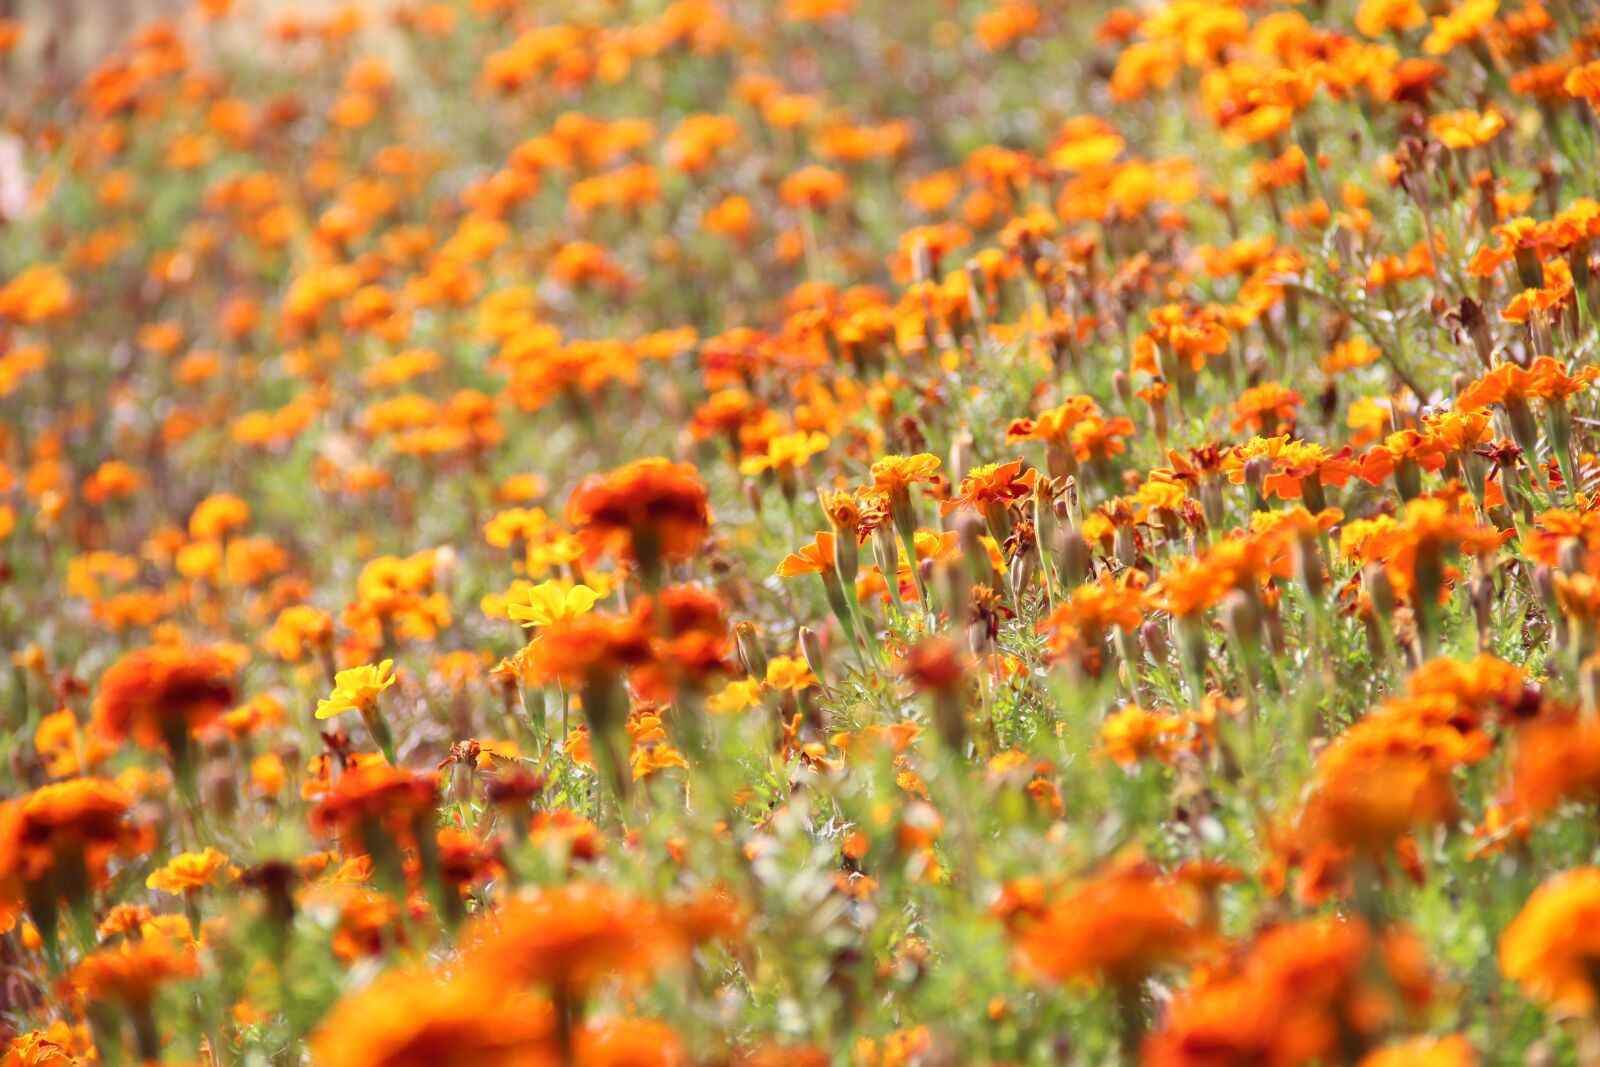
(788, 533)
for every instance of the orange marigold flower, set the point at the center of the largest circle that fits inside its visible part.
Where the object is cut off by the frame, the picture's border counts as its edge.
(59, 835)
(1134, 733)
(1583, 83)
(565, 939)
(1100, 438)
(1297, 995)
(373, 798)
(1466, 129)
(35, 1048)
(893, 476)
(1081, 621)
(1552, 947)
(650, 510)
(992, 486)
(1387, 775)
(1465, 22)
(813, 187)
(162, 695)
(132, 971)
(1452, 1051)
(188, 871)
(1374, 18)
(218, 515)
(1117, 927)
(1556, 761)
(575, 649)
(38, 293)
(815, 558)
(1263, 408)
(410, 1018)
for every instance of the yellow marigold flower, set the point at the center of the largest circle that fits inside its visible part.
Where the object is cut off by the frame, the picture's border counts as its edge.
(38, 1049)
(553, 601)
(1134, 733)
(789, 672)
(735, 697)
(1462, 24)
(1452, 1051)
(187, 871)
(218, 515)
(356, 688)
(786, 451)
(891, 475)
(1374, 18)
(1466, 128)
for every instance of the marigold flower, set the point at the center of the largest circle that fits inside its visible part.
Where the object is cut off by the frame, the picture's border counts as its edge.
(132, 971)
(162, 695)
(1463, 23)
(1583, 83)
(567, 938)
(187, 871)
(1466, 129)
(1134, 733)
(785, 452)
(651, 509)
(58, 835)
(1374, 18)
(1297, 994)
(408, 1018)
(37, 1049)
(1552, 947)
(638, 1042)
(789, 673)
(992, 486)
(1452, 1051)
(1117, 927)
(550, 602)
(356, 689)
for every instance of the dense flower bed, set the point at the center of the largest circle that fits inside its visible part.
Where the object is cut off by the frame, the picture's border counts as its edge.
(738, 533)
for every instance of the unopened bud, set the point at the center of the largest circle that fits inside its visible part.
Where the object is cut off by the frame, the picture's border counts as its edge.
(811, 649)
(1123, 388)
(1255, 476)
(1379, 589)
(1072, 556)
(1153, 636)
(751, 654)
(1023, 565)
(221, 791)
(1573, 556)
(1242, 618)
(1482, 591)
(1308, 564)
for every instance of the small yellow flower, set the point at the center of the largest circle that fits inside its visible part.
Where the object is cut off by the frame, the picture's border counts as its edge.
(553, 601)
(187, 871)
(786, 451)
(735, 697)
(789, 672)
(356, 689)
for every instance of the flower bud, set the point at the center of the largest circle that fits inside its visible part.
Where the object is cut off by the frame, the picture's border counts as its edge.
(1153, 636)
(751, 654)
(1574, 556)
(811, 649)
(1241, 617)
(1072, 556)
(1255, 476)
